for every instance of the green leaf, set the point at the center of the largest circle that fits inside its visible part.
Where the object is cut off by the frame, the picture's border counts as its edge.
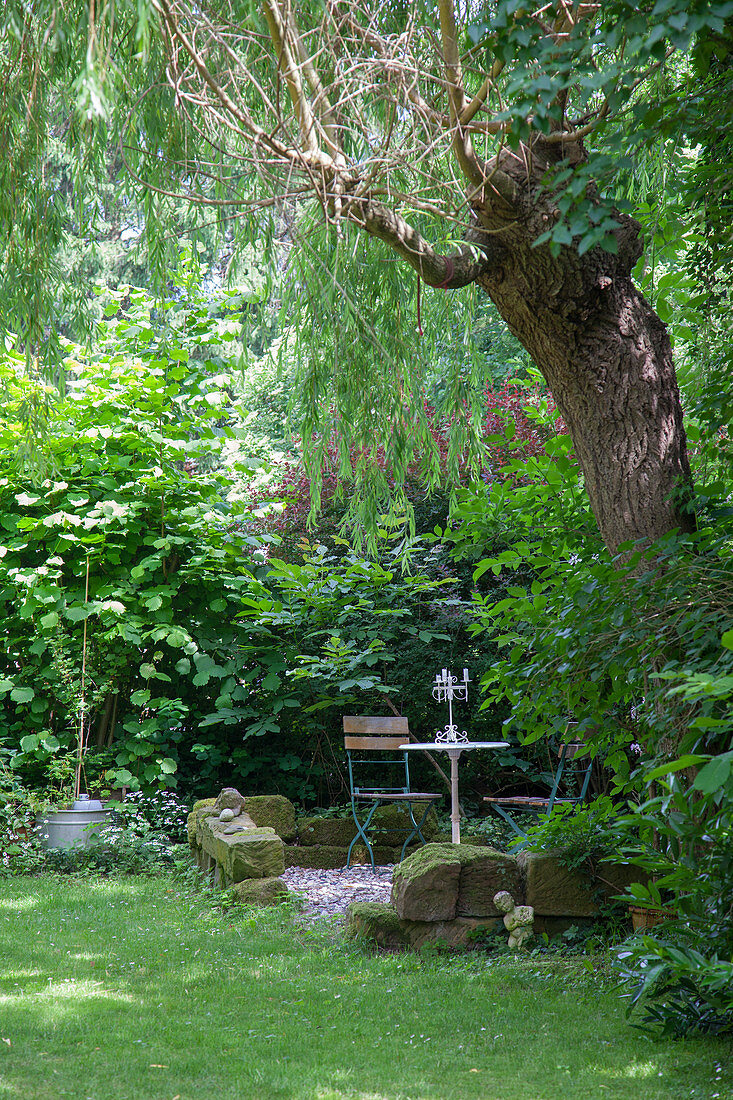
(22, 694)
(689, 761)
(77, 612)
(50, 620)
(715, 774)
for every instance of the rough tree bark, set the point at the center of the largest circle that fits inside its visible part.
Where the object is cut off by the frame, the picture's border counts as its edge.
(603, 351)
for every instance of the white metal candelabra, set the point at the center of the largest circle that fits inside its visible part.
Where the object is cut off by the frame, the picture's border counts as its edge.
(445, 689)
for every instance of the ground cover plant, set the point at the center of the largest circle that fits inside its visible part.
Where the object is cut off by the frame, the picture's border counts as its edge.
(132, 988)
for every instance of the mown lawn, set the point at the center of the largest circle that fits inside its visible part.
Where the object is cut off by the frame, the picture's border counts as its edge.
(141, 989)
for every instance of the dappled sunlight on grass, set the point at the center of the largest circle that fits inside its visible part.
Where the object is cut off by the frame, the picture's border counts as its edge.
(639, 1070)
(243, 1006)
(20, 904)
(69, 989)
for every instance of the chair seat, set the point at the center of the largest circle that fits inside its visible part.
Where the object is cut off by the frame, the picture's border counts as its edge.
(530, 801)
(390, 796)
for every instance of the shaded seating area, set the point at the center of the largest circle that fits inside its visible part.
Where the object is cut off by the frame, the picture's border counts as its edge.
(379, 774)
(569, 787)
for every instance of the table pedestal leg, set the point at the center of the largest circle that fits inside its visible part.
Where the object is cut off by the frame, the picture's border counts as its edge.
(455, 813)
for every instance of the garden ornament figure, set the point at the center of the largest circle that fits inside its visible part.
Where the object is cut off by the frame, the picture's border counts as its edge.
(518, 919)
(446, 688)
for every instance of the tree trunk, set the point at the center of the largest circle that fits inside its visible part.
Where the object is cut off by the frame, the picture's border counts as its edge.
(603, 351)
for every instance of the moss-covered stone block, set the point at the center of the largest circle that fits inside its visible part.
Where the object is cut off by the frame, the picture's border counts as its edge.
(391, 824)
(377, 923)
(241, 852)
(260, 891)
(425, 885)
(614, 878)
(454, 934)
(200, 809)
(316, 856)
(484, 872)
(336, 832)
(272, 811)
(555, 926)
(381, 925)
(554, 890)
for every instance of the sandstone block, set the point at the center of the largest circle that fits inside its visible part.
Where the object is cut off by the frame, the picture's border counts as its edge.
(553, 890)
(484, 873)
(334, 831)
(201, 808)
(425, 885)
(243, 853)
(260, 891)
(273, 811)
(454, 934)
(316, 856)
(381, 925)
(377, 923)
(391, 824)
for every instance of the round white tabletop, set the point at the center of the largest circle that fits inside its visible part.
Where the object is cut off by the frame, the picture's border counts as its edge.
(454, 750)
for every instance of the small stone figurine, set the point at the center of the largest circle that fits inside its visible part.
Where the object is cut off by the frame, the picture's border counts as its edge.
(518, 919)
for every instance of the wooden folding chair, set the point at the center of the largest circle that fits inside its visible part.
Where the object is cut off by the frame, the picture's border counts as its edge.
(366, 741)
(571, 772)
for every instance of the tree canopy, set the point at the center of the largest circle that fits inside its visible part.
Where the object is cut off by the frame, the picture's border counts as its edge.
(485, 146)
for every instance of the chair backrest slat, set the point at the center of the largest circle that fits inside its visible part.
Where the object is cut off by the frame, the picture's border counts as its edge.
(377, 727)
(372, 743)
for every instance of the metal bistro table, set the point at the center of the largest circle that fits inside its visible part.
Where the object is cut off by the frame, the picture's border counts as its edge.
(454, 750)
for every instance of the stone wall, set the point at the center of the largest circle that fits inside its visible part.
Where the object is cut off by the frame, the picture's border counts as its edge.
(445, 893)
(441, 892)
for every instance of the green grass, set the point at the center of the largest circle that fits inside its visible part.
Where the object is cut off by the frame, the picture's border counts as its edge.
(132, 988)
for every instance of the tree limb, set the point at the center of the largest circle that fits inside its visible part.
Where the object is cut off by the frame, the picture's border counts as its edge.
(448, 272)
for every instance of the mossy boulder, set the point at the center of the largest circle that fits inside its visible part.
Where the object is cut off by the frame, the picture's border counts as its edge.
(336, 832)
(443, 881)
(272, 811)
(260, 891)
(425, 885)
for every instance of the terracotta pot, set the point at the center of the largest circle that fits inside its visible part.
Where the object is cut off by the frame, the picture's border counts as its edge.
(645, 919)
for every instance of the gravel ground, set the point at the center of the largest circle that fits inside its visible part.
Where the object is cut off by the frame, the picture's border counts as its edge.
(329, 893)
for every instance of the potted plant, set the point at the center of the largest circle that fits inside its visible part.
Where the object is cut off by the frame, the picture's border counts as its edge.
(81, 822)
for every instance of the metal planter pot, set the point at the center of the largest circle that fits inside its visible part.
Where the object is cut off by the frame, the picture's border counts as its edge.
(80, 825)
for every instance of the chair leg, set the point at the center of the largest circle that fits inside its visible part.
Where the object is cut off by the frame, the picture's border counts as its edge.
(361, 833)
(510, 821)
(416, 827)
